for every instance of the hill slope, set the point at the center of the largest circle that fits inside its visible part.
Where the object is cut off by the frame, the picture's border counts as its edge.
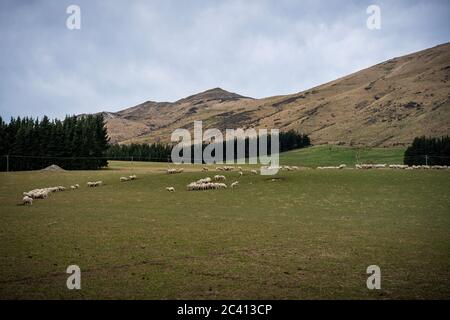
(385, 105)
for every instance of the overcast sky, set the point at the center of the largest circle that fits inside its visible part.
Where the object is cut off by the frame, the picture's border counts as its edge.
(128, 52)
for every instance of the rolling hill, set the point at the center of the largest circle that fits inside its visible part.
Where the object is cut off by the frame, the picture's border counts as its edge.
(387, 104)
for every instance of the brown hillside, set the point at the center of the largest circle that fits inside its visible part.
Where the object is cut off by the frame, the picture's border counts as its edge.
(387, 104)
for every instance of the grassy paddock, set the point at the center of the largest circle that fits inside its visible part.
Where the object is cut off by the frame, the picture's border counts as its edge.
(310, 234)
(330, 155)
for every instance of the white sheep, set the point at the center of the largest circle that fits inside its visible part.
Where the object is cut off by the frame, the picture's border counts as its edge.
(133, 177)
(123, 179)
(170, 189)
(219, 178)
(27, 200)
(234, 184)
(73, 187)
(240, 173)
(196, 185)
(254, 171)
(43, 194)
(204, 180)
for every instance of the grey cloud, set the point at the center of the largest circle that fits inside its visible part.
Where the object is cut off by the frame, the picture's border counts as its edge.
(132, 51)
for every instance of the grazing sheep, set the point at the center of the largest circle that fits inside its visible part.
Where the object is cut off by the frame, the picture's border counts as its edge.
(27, 200)
(172, 171)
(234, 184)
(95, 184)
(398, 166)
(254, 171)
(370, 166)
(123, 179)
(43, 194)
(205, 169)
(170, 189)
(240, 173)
(239, 168)
(205, 180)
(439, 167)
(73, 187)
(132, 177)
(200, 186)
(77, 186)
(219, 178)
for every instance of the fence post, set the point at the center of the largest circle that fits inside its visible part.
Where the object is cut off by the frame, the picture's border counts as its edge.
(426, 159)
(7, 163)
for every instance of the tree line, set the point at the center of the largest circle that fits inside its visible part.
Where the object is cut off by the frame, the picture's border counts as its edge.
(75, 143)
(162, 152)
(82, 143)
(431, 151)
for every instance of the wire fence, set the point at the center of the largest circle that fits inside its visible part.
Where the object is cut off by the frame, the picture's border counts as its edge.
(30, 162)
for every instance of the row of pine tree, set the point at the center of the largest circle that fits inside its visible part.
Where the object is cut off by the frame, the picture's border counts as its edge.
(431, 151)
(81, 143)
(162, 152)
(75, 143)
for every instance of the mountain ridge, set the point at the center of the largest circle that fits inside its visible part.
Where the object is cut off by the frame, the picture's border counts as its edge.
(387, 104)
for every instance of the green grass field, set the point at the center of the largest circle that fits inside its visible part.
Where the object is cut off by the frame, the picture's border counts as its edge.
(330, 155)
(309, 234)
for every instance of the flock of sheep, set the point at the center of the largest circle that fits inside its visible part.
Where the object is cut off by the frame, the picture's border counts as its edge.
(398, 166)
(42, 193)
(209, 184)
(217, 182)
(172, 171)
(383, 165)
(129, 178)
(342, 166)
